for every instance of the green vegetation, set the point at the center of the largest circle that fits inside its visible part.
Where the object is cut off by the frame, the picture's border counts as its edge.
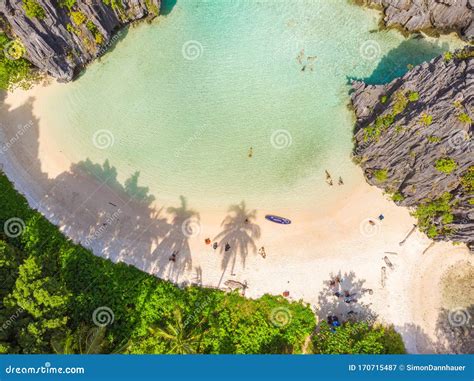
(446, 165)
(464, 118)
(14, 70)
(33, 9)
(426, 119)
(434, 215)
(78, 17)
(69, 4)
(383, 99)
(462, 54)
(433, 139)
(413, 96)
(51, 290)
(357, 338)
(467, 180)
(381, 175)
(398, 197)
(383, 122)
(99, 39)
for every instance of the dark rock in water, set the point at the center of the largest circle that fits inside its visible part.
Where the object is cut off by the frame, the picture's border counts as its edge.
(413, 138)
(64, 41)
(429, 15)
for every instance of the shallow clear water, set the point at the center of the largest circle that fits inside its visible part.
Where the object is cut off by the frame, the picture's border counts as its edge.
(187, 96)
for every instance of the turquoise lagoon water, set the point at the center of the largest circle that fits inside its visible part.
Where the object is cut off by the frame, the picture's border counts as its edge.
(185, 98)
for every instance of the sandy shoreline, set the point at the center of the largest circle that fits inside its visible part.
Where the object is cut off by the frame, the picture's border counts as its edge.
(300, 257)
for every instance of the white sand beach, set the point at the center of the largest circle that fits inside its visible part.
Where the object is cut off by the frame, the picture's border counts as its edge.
(300, 257)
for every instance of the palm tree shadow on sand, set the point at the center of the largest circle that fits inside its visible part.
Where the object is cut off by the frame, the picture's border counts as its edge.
(238, 236)
(173, 254)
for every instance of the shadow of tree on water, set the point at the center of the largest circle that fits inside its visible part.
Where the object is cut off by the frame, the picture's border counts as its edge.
(238, 236)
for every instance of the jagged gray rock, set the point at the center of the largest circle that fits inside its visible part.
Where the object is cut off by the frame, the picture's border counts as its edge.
(425, 15)
(406, 149)
(59, 46)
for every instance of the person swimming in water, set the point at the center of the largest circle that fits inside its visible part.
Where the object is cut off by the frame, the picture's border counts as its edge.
(250, 152)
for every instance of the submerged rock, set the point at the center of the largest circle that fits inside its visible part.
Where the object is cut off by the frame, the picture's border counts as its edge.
(442, 16)
(61, 40)
(413, 138)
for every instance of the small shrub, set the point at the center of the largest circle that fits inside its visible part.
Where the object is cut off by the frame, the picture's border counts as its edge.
(464, 118)
(426, 119)
(398, 197)
(33, 9)
(413, 96)
(78, 17)
(381, 175)
(433, 215)
(467, 180)
(448, 56)
(446, 165)
(383, 99)
(433, 139)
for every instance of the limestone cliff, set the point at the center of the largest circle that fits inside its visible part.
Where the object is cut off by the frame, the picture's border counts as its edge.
(441, 16)
(413, 138)
(61, 37)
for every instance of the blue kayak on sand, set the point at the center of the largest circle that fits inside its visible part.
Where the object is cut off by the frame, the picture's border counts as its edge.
(278, 220)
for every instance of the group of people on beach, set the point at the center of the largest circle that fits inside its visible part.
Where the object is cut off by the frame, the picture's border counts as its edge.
(330, 182)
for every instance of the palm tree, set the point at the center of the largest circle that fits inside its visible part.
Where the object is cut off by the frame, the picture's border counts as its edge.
(180, 336)
(85, 340)
(239, 233)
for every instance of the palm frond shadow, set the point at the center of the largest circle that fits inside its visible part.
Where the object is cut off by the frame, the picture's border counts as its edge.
(238, 236)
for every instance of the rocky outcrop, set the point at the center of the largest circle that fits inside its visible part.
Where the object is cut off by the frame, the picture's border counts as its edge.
(62, 40)
(442, 16)
(413, 138)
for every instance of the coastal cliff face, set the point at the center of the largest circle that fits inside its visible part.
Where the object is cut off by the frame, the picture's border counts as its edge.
(442, 16)
(413, 138)
(62, 37)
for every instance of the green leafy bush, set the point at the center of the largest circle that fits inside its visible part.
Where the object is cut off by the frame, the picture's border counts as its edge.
(78, 17)
(357, 338)
(433, 215)
(464, 118)
(446, 165)
(14, 70)
(33, 9)
(381, 175)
